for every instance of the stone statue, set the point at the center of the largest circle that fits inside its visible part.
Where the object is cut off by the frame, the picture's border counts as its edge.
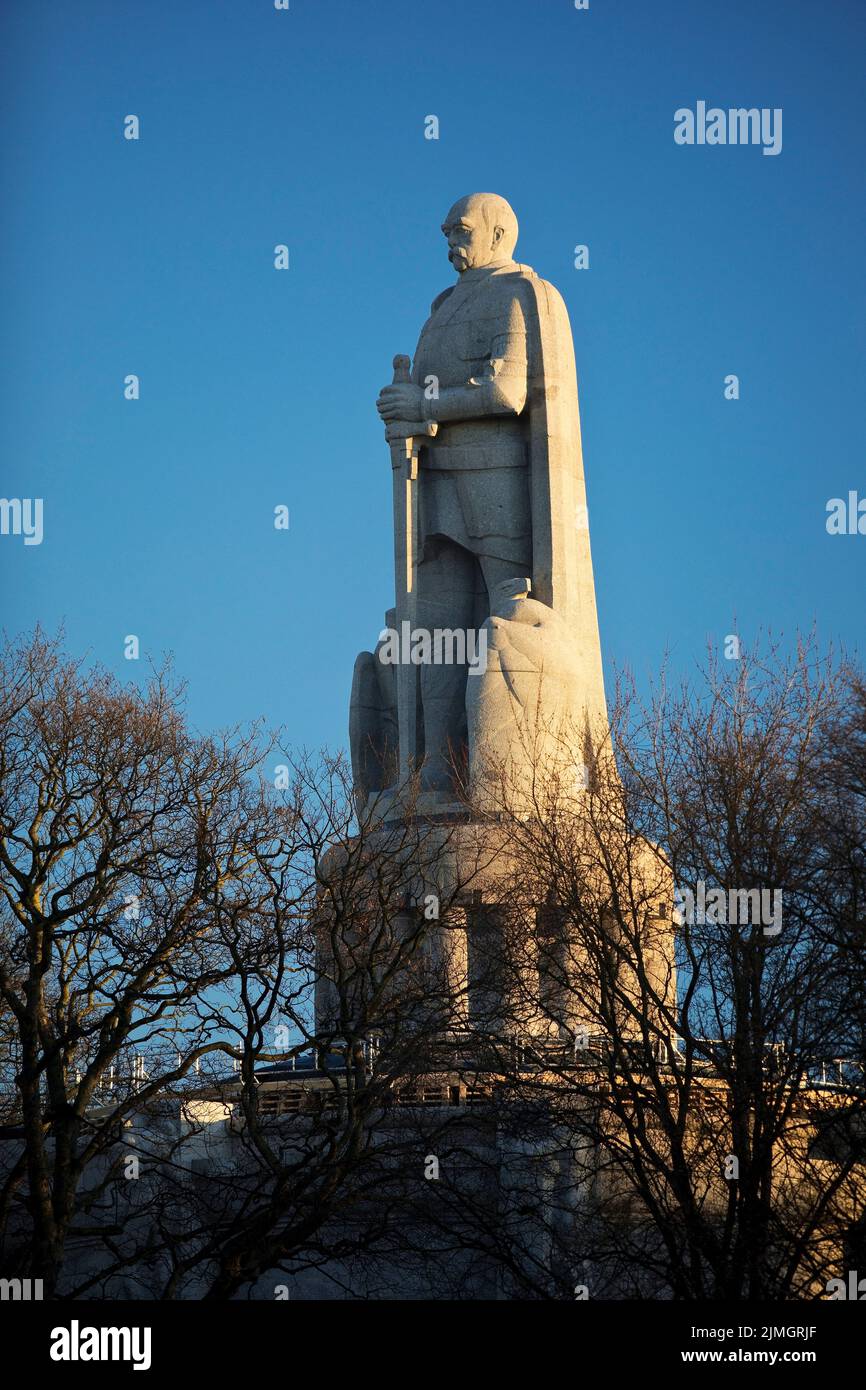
(491, 537)
(494, 497)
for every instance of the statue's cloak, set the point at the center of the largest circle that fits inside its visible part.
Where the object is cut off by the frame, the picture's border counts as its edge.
(561, 557)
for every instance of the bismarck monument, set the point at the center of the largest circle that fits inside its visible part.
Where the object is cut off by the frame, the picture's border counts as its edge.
(490, 530)
(486, 684)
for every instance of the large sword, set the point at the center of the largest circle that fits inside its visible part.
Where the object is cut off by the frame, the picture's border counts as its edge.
(406, 439)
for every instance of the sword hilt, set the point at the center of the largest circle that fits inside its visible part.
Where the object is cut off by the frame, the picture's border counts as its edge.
(401, 365)
(405, 429)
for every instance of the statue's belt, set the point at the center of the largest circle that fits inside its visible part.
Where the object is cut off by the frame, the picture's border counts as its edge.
(462, 457)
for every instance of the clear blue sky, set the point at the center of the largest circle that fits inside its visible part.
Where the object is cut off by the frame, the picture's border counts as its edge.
(306, 127)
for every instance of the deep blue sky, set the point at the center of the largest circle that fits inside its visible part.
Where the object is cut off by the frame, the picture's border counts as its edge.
(258, 387)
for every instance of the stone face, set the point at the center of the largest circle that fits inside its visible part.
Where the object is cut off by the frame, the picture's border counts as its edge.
(489, 490)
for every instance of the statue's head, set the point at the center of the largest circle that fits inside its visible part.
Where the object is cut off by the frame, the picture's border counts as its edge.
(480, 228)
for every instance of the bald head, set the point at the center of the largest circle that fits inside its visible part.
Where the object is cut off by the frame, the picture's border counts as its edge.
(481, 228)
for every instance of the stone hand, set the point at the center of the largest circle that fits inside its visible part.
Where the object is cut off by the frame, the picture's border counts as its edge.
(401, 401)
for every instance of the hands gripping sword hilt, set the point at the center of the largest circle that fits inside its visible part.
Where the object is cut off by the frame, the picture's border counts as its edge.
(404, 429)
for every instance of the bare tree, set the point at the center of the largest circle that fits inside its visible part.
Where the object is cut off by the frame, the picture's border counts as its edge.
(680, 998)
(246, 1036)
(166, 918)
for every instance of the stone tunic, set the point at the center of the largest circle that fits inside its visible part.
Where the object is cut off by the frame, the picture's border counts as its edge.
(474, 476)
